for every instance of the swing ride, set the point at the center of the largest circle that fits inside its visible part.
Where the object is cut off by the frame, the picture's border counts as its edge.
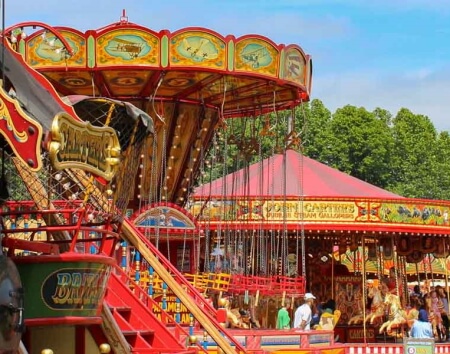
(131, 249)
(351, 232)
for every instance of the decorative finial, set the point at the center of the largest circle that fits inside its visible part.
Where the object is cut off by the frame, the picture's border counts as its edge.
(124, 17)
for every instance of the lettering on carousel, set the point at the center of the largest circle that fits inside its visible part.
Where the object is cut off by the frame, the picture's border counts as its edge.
(357, 334)
(172, 308)
(341, 211)
(75, 289)
(81, 145)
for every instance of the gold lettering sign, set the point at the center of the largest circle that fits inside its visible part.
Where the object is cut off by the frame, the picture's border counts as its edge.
(81, 145)
(312, 211)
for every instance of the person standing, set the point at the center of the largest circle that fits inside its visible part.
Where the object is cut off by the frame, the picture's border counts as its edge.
(443, 308)
(303, 314)
(271, 314)
(283, 318)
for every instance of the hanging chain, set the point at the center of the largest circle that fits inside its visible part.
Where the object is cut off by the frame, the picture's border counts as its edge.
(262, 254)
(302, 199)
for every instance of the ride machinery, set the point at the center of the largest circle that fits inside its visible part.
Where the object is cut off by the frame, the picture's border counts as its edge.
(96, 127)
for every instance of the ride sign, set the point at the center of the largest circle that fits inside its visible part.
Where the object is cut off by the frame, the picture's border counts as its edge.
(418, 345)
(81, 145)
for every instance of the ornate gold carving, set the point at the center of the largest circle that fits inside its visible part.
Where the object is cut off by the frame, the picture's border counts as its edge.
(81, 145)
(4, 114)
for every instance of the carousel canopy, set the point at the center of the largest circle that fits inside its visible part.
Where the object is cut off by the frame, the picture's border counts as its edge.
(188, 80)
(281, 176)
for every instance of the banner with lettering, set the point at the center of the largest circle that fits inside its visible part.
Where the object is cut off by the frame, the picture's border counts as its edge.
(62, 289)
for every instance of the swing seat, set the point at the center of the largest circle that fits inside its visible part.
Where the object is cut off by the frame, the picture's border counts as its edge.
(237, 284)
(289, 285)
(197, 281)
(221, 282)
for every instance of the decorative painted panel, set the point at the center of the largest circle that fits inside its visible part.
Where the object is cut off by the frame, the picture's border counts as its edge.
(164, 217)
(126, 82)
(294, 66)
(195, 48)
(79, 81)
(46, 50)
(256, 56)
(128, 47)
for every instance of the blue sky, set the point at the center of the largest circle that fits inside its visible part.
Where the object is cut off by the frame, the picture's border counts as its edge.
(379, 53)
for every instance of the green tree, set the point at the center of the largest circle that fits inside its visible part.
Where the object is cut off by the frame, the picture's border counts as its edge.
(413, 164)
(315, 129)
(442, 164)
(359, 144)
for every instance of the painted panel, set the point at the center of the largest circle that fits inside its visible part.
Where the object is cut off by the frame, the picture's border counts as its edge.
(47, 50)
(256, 56)
(64, 288)
(77, 81)
(126, 82)
(294, 66)
(278, 210)
(412, 213)
(128, 47)
(177, 81)
(164, 217)
(199, 49)
(319, 211)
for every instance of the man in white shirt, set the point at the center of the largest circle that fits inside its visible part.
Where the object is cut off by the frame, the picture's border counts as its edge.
(303, 314)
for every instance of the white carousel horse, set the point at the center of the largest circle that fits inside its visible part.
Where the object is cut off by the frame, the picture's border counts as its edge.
(376, 308)
(397, 315)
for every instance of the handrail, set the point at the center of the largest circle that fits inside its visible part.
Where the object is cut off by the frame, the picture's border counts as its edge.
(76, 223)
(173, 278)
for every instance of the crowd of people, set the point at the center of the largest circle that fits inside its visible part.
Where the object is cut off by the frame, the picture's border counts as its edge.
(429, 314)
(432, 310)
(306, 316)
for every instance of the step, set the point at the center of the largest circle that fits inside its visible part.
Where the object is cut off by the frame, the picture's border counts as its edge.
(138, 339)
(124, 311)
(147, 335)
(126, 314)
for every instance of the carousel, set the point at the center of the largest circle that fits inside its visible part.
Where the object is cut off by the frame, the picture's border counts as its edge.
(107, 248)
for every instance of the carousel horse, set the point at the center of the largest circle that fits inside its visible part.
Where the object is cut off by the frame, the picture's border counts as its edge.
(235, 317)
(376, 308)
(397, 315)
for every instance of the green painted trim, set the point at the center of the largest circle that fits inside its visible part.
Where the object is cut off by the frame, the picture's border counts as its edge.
(164, 51)
(281, 63)
(230, 55)
(22, 47)
(90, 52)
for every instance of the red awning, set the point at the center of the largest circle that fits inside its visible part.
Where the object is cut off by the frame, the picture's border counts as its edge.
(282, 176)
